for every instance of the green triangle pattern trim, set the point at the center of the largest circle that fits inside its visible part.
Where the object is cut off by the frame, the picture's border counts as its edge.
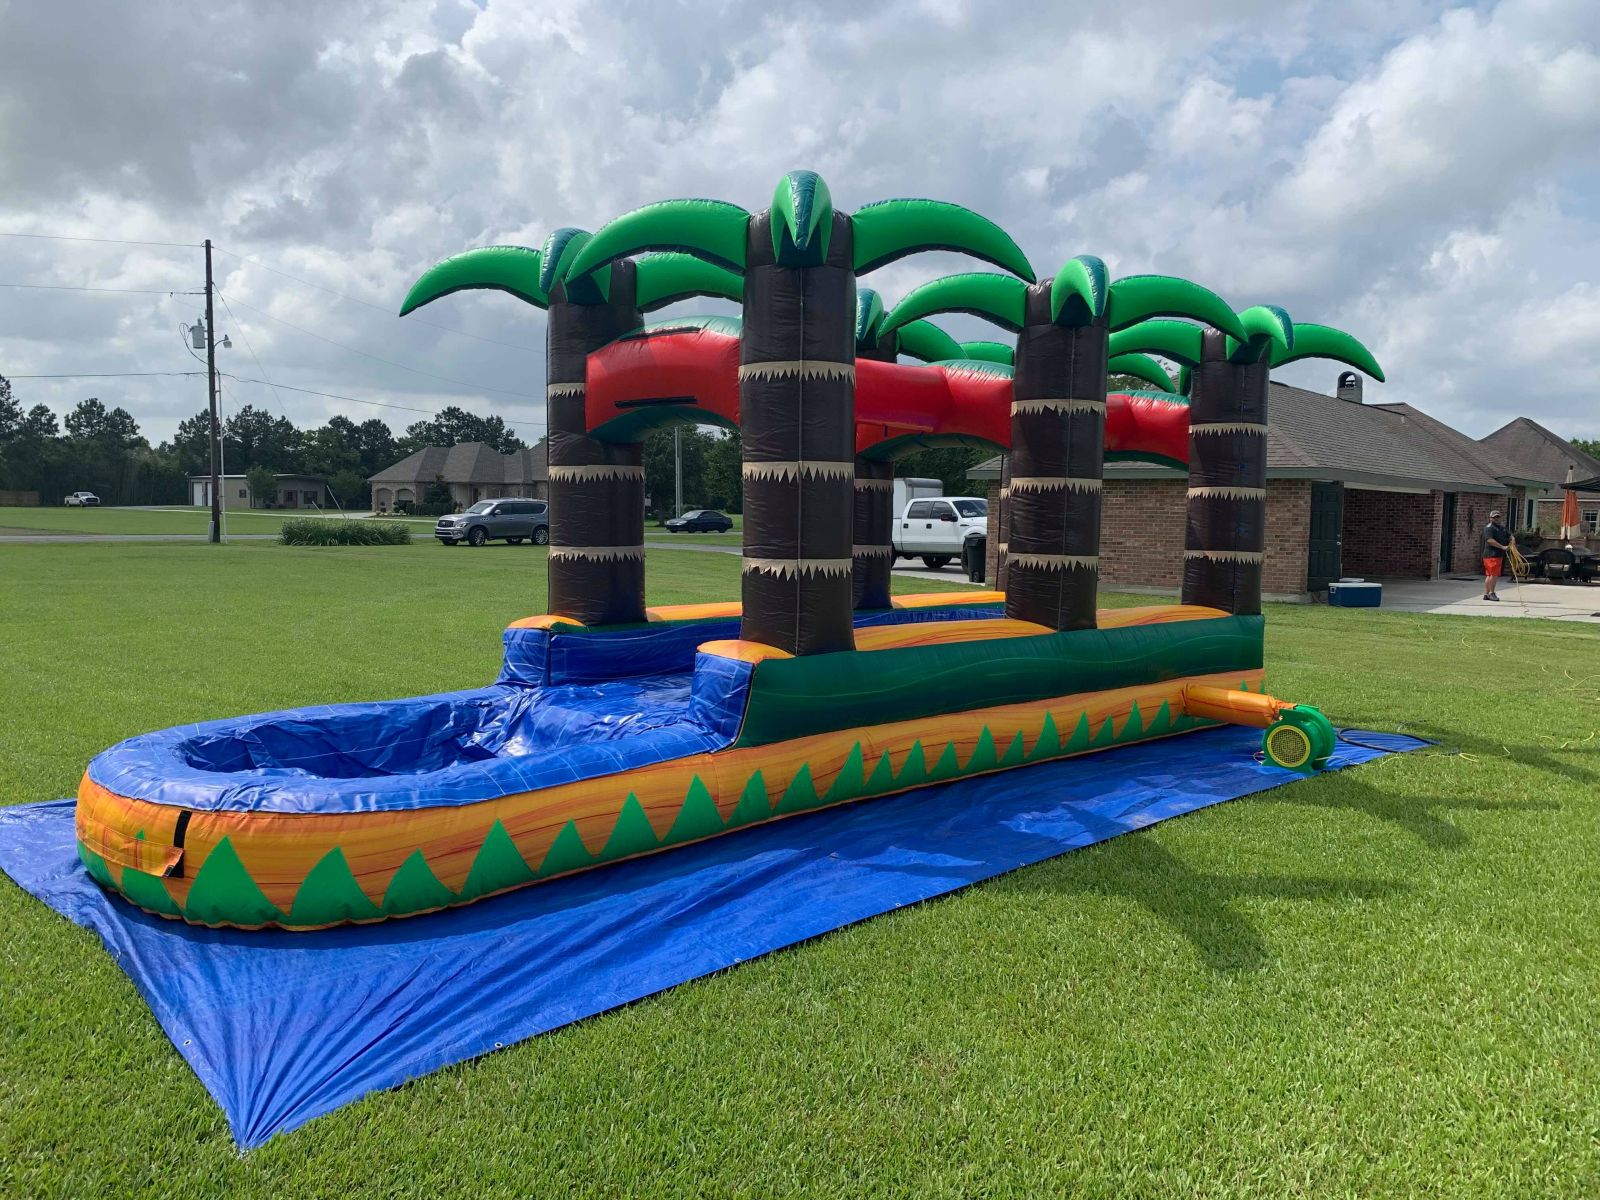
(983, 757)
(948, 766)
(1106, 737)
(698, 818)
(800, 795)
(915, 769)
(882, 777)
(148, 891)
(567, 852)
(415, 888)
(1161, 723)
(753, 803)
(224, 893)
(1049, 743)
(99, 870)
(499, 865)
(1015, 754)
(1079, 741)
(1133, 727)
(850, 783)
(632, 834)
(330, 894)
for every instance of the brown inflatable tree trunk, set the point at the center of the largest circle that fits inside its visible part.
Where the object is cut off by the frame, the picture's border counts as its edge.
(1058, 413)
(1226, 536)
(797, 413)
(872, 539)
(596, 570)
(1002, 526)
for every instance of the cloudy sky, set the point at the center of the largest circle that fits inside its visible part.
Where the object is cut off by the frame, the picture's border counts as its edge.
(1424, 174)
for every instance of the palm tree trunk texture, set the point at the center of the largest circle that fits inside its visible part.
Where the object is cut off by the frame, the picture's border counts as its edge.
(1058, 418)
(596, 568)
(1002, 526)
(872, 540)
(797, 411)
(1227, 506)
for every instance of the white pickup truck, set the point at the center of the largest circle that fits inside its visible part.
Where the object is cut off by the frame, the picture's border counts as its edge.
(934, 528)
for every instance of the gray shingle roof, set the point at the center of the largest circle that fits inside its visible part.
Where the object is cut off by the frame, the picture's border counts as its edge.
(1313, 436)
(1529, 442)
(467, 462)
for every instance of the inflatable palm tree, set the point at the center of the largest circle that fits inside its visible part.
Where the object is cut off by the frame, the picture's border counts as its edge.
(1226, 378)
(799, 259)
(596, 564)
(1052, 497)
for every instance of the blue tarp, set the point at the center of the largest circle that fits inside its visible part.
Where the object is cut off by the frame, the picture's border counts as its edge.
(283, 1027)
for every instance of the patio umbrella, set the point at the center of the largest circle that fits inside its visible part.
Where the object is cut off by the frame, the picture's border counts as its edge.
(1571, 521)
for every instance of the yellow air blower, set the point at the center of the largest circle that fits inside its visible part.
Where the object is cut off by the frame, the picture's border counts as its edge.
(1298, 737)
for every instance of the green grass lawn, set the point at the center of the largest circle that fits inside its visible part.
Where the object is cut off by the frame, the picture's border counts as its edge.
(195, 521)
(1380, 982)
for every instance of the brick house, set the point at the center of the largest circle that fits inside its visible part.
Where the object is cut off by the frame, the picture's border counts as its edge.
(472, 470)
(1530, 443)
(1353, 489)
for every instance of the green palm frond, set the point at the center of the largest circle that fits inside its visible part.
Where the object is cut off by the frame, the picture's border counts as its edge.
(1267, 330)
(869, 317)
(802, 220)
(662, 279)
(892, 229)
(1141, 366)
(1079, 291)
(997, 352)
(1139, 297)
(513, 269)
(1324, 341)
(925, 340)
(998, 298)
(1177, 340)
(713, 230)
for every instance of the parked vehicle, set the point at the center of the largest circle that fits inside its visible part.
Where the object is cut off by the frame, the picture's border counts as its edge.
(82, 500)
(513, 520)
(935, 530)
(700, 520)
(911, 488)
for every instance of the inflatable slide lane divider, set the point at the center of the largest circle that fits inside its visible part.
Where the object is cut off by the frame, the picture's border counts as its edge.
(605, 743)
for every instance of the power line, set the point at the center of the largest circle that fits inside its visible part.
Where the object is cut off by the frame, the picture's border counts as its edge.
(62, 287)
(262, 371)
(61, 237)
(387, 310)
(389, 361)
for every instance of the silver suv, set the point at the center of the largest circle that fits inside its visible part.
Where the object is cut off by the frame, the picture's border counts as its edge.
(513, 520)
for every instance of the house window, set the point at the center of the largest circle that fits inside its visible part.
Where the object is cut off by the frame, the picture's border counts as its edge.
(244, 493)
(1591, 517)
(309, 497)
(1532, 521)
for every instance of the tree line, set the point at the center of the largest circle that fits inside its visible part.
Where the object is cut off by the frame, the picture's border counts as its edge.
(101, 450)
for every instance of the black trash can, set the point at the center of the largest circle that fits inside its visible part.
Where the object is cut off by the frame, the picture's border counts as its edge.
(974, 554)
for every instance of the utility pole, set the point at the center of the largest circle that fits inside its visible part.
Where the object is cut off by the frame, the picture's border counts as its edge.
(211, 391)
(677, 470)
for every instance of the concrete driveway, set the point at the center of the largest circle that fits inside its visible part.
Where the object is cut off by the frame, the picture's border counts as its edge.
(1464, 598)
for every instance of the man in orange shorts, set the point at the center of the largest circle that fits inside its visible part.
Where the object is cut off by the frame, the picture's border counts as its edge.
(1495, 541)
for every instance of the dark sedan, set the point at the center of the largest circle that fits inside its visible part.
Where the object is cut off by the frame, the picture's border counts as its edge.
(700, 520)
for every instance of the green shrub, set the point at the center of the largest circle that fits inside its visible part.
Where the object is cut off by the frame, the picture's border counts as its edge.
(327, 531)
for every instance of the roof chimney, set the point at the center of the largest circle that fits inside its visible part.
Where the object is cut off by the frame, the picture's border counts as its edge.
(1349, 387)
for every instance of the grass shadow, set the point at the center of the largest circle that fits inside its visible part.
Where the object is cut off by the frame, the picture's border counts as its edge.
(1200, 906)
